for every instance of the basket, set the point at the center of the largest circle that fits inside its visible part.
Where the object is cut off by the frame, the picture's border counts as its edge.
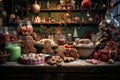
(85, 52)
(3, 57)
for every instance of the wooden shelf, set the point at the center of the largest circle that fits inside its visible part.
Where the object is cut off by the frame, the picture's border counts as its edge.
(74, 10)
(86, 23)
(11, 42)
(37, 24)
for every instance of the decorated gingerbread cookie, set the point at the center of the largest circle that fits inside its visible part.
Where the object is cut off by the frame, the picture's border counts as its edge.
(28, 45)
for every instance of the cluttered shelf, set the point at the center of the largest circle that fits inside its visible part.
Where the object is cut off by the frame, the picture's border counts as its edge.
(74, 23)
(76, 10)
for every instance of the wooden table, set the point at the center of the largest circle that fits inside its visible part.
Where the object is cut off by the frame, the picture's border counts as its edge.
(77, 70)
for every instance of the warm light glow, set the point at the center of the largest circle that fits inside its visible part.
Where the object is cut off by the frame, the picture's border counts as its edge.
(67, 14)
(108, 21)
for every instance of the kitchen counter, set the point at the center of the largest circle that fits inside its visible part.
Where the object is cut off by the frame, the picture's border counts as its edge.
(75, 70)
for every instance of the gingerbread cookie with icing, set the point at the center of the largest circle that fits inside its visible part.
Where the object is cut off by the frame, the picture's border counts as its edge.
(28, 45)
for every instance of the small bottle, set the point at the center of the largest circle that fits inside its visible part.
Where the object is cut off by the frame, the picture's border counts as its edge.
(69, 39)
(13, 36)
(6, 37)
(75, 33)
(73, 4)
(83, 19)
(48, 4)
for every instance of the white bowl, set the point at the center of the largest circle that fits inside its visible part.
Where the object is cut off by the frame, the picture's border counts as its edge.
(85, 52)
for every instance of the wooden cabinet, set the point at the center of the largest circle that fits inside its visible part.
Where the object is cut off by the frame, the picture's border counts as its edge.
(15, 71)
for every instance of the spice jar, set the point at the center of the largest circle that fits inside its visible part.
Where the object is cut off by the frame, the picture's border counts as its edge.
(69, 39)
(13, 36)
(61, 39)
(5, 35)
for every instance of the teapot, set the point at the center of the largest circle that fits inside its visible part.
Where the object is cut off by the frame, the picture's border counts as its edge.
(105, 55)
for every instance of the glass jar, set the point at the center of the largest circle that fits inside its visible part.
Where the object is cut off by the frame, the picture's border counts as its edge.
(5, 35)
(25, 28)
(61, 39)
(13, 36)
(69, 39)
(15, 51)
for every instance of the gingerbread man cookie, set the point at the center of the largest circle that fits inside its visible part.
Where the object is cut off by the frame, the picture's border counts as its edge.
(47, 47)
(28, 45)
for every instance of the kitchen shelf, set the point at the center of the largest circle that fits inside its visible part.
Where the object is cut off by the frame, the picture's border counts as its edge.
(11, 42)
(86, 23)
(37, 24)
(73, 10)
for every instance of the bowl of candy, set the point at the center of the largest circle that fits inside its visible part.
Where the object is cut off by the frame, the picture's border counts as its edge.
(32, 58)
(85, 47)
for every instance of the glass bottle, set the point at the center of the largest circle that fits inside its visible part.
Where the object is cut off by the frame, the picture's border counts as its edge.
(13, 36)
(75, 33)
(69, 39)
(61, 39)
(6, 36)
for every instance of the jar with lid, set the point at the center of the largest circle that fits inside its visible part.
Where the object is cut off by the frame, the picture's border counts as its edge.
(25, 28)
(61, 39)
(5, 35)
(13, 35)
